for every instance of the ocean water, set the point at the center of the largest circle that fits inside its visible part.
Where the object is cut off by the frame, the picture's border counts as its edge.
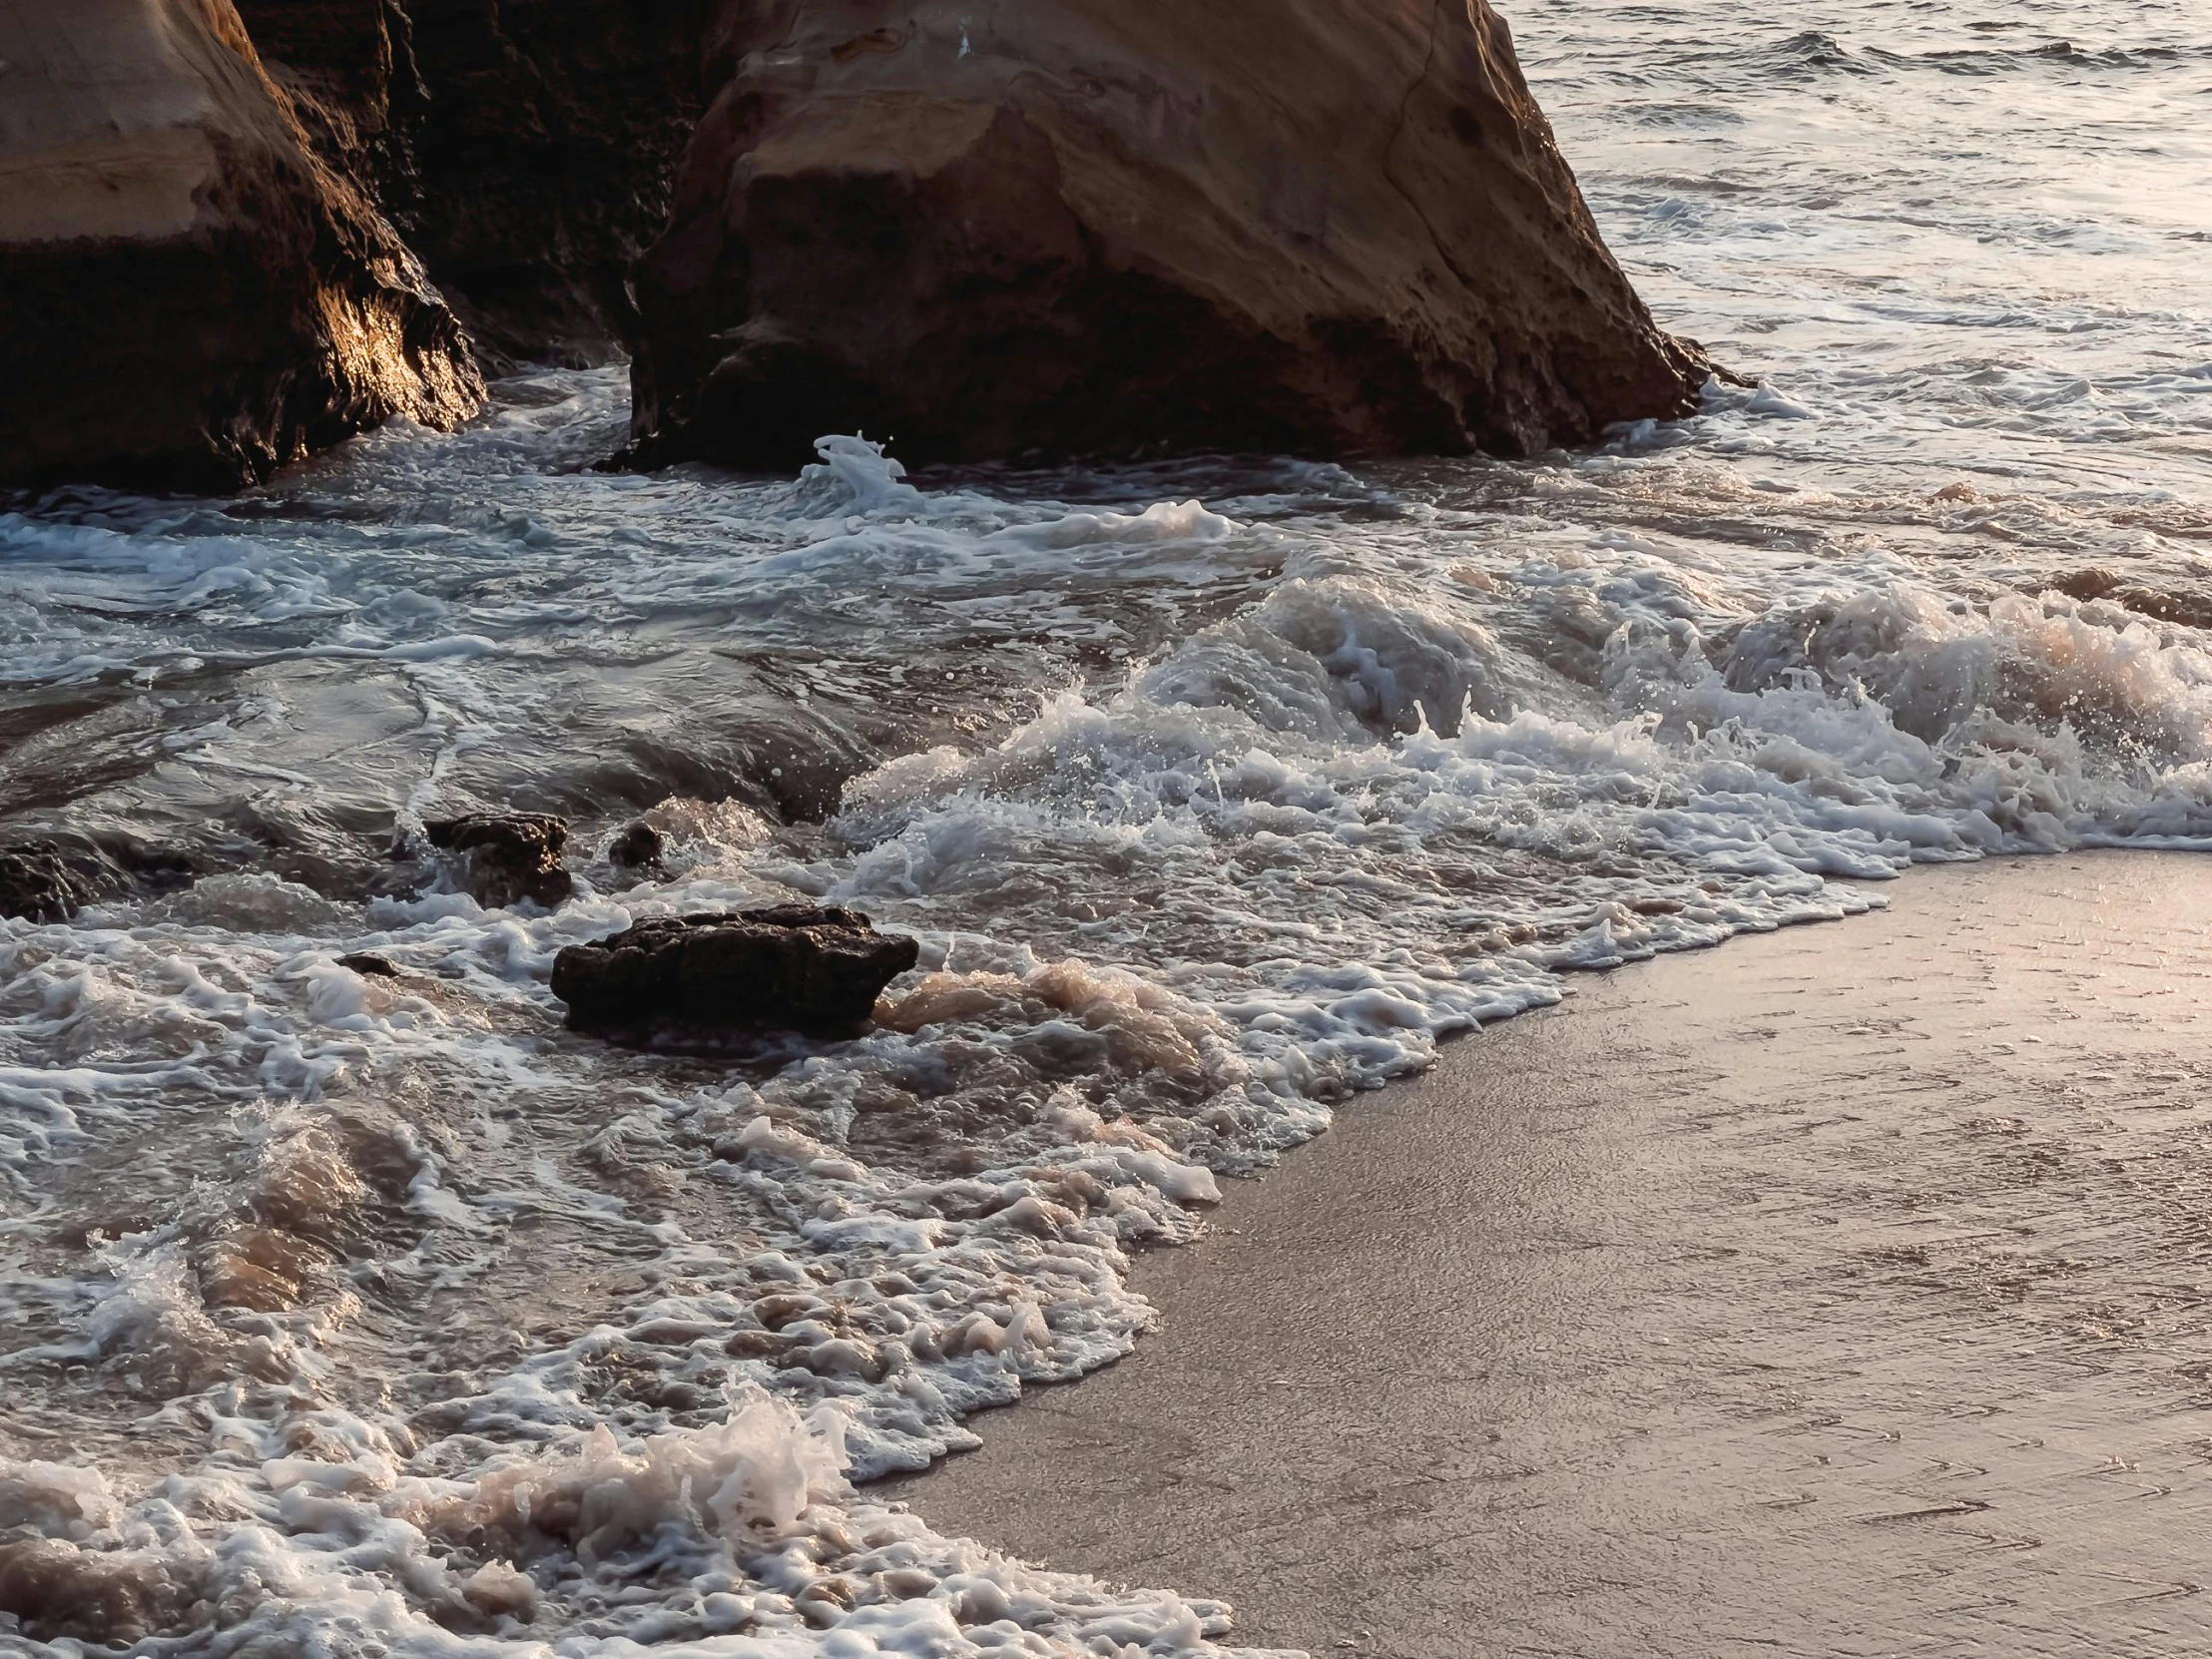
(370, 1316)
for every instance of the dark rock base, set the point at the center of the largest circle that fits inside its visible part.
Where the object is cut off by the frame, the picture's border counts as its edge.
(795, 966)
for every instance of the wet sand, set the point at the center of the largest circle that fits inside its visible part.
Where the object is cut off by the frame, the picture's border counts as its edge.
(1842, 1291)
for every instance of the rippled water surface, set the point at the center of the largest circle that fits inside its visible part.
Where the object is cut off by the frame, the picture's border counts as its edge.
(380, 1313)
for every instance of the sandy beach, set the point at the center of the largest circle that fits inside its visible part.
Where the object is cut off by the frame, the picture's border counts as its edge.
(1841, 1291)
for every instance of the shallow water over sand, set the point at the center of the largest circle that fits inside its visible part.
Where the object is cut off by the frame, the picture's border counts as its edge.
(1840, 1292)
(1215, 794)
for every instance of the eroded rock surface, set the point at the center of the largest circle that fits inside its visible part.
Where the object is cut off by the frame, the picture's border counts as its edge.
(507, 857)
(38, 885)
(50, 879)
(1113, 227)
(188, 299)
(797, 967)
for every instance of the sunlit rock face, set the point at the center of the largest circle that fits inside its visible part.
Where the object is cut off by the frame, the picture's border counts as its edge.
(1113, 227)
(188, 298)
(522, 147)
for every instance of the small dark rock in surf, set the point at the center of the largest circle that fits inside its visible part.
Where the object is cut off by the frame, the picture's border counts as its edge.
(2093, 583)
(800, 968)
(636, 847)
(509, 856)
(371, 965)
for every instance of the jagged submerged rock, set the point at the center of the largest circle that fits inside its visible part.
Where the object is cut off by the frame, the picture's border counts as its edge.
(2164, 605)
(188, 299)
(38, 885)
(1114, 226)
(507, 857)
(796, 966)
(51, 880)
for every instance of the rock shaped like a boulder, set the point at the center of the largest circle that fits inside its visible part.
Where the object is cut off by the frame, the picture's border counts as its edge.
(189, 297)
(1098, 227)
(800, 968)
(639, 846)
(507, 857)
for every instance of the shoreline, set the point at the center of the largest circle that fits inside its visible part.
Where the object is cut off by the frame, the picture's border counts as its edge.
(1843, 1290)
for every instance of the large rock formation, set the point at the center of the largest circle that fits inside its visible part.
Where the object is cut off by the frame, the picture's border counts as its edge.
(1106, 227)
(188, 298)
(1071, 226)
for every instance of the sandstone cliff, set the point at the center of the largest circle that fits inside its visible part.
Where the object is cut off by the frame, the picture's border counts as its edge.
(188, 297)
(986, 231)
(1113, 226)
